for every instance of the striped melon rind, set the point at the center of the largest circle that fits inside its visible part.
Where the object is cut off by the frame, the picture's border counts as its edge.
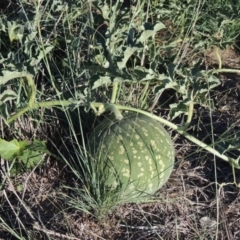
(136, 152)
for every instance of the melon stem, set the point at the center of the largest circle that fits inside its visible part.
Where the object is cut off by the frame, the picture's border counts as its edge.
(114, 92)
(115, 110)
(181, 130)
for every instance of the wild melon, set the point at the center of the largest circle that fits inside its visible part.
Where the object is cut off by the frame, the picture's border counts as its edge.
(137, 154)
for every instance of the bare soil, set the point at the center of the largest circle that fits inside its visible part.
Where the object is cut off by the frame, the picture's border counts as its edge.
(200, 200)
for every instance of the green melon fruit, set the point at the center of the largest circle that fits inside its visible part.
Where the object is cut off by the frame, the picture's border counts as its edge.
(137, 153)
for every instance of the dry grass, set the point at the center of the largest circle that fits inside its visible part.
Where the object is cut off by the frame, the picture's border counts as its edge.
(200, 200)
(189, 205)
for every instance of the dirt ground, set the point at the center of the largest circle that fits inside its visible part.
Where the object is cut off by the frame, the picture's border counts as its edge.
(199, 201)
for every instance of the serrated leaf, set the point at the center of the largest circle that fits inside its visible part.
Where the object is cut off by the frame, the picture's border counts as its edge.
(7, 75)
(30, 159)
(143, 74)
(13, 33)
(228, 142)
(170, 69)
(40, 146)
(127, 54)
(165, 83)
(105, 11)
(3, 110)
(102, 80)
(177, 109)
(41, 54)
(33, 154)
(203, 100)
(8, 95)
(150, 31)
(213, 82)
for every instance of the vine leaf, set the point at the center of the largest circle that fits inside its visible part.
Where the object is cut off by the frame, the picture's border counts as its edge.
(28, 155)
(7, 95)
(15, 31)
(127, 54)
(150, 31)
(165, 83)
(9, 150)
(179, 108)
(102, 80)
(42, 52)
(228, 142)
(7, 75)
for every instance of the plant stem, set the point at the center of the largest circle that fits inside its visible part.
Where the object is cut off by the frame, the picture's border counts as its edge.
(226, 70)
(189, 117)
(114, 92)
(218, 57)
(115, 108)
(180, 130)
(38, 105)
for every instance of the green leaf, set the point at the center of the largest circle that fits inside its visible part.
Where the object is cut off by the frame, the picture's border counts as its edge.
(127, 54)
(105, 11)
(143, 74)
(7, 75)
(165, 83)
(3, 110)
(150, 31)
(179, 108)
(12, 149)
(31, 158)
(39, 146)
(8, 95)
(228, 141)
(43, 51)
(171, 69)
(98, 68)
(103, 80)
(14, 32)
(28, 155)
